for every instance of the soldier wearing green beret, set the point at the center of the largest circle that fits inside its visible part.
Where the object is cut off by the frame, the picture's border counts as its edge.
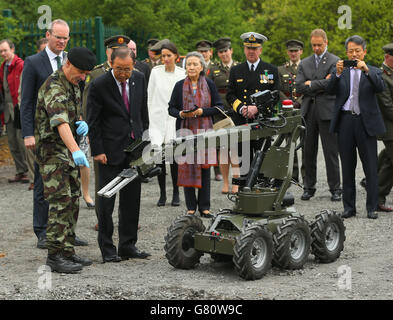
(385, 158)
(57, 125)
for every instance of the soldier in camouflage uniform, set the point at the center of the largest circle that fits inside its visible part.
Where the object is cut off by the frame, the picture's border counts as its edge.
(57, 124)
(287, 73)
(219, 73)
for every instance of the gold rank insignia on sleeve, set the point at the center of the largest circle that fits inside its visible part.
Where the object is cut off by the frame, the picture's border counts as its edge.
(239, 80)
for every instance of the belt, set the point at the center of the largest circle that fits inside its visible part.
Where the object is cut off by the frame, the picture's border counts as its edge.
(350, 112)
(224, 91)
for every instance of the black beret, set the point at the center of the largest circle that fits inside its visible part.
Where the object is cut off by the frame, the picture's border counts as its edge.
(294, 44)
(82, 58)
(116, 41)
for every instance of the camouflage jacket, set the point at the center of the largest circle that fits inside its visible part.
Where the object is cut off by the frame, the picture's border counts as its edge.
(59, 101)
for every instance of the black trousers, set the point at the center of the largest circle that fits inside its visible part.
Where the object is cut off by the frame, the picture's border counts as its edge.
(352, 135)
(202, 202)
(129, 205)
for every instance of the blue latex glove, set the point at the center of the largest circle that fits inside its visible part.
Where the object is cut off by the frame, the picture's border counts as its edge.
(82, 129)
(80, 158)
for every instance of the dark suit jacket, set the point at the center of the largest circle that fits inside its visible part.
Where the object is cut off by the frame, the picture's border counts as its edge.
(243, 83)
(36, 70)
(110, 125)
(144, 68)
(317, 92)
(368, 87)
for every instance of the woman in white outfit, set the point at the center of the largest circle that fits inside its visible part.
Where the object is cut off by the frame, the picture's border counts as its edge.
(162, 127)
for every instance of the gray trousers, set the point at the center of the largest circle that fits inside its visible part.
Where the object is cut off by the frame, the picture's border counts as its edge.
(17, 147)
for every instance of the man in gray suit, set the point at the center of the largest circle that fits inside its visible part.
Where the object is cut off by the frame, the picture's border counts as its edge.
(317, 109)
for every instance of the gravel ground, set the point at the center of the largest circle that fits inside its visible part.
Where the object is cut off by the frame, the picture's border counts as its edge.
(367, 254)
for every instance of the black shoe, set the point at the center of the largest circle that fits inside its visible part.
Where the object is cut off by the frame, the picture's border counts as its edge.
(363, 183)
(372, 215)
(59, 263)
(205, 214)
(135, 253)
(336, 195)
(83, 261)
(114, 258)
(161, 201)
(41, 243)
(308, 194)
(348, 214)
(80, 243)
(175, 200)
(145, 179)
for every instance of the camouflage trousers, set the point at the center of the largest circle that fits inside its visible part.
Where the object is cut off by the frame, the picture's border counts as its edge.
(62, 191)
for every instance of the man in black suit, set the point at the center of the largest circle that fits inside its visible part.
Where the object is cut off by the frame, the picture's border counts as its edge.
(117, 115)
(357, 119)
(36, 70)
(140, 65)
(317, 109)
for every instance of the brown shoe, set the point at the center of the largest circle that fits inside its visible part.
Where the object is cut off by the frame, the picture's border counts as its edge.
(31, 187)
(96, 227)
(19, 177)
(383, 208)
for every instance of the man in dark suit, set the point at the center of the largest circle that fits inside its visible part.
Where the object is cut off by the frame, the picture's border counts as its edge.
(317, 109)
(117, 115)
(140, 65)
(357, 120)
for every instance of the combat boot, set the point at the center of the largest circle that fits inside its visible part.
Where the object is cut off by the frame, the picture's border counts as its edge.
(57, 262)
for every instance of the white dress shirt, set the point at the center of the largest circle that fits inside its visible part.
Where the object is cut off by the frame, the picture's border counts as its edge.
(52, 58)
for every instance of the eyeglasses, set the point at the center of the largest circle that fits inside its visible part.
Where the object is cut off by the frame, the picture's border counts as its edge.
(355, 51)
(61, 38)
(121, 70)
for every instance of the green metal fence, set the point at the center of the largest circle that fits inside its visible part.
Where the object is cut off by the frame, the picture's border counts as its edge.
(88, 33)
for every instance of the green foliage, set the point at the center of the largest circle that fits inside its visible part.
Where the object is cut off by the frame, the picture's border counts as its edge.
(9, 31)
(187, 21)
